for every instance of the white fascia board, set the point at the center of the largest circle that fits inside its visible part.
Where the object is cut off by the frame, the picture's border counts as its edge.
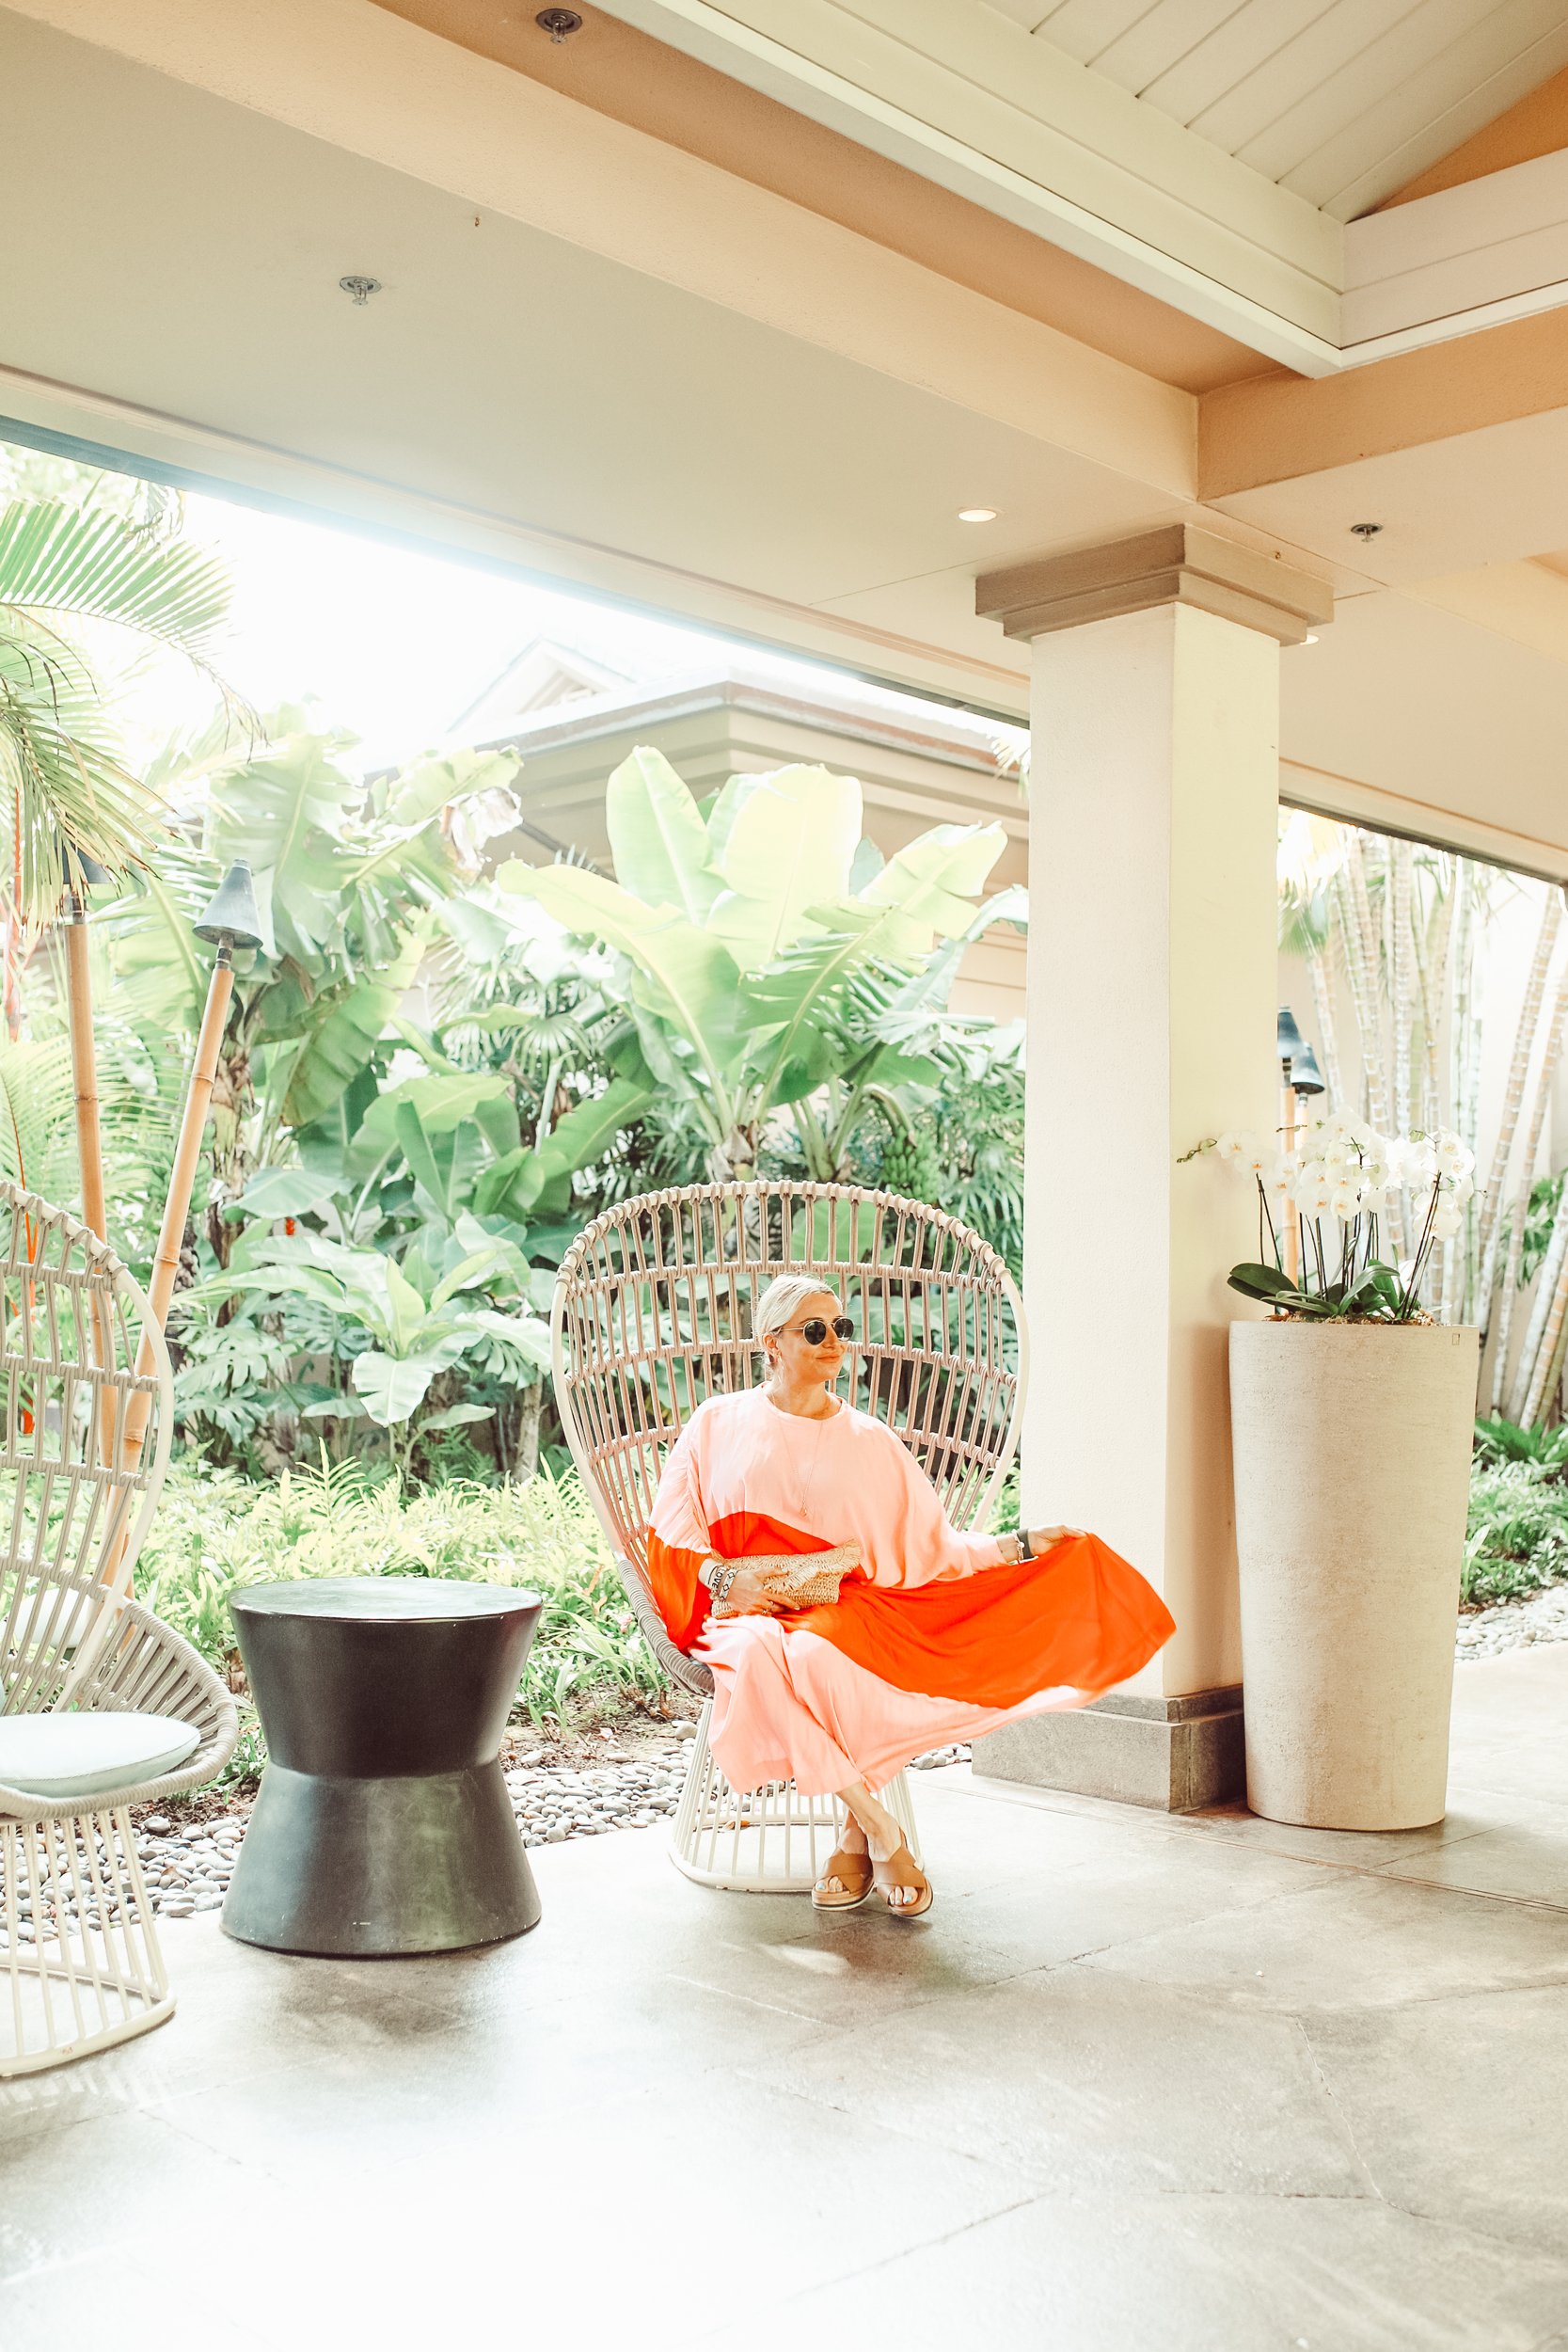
(970, 101)
(1462, 252)
(95, 428)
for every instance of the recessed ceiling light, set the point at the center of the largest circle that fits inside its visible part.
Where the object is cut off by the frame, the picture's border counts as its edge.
(1310, 638)
(976, 513)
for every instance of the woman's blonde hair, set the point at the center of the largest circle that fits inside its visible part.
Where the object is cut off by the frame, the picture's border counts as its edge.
(779, 1301)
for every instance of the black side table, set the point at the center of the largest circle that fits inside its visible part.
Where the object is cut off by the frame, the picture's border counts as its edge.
(382, 1824)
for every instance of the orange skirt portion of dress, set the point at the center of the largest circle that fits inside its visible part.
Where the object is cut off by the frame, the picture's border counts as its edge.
(1079, 1617)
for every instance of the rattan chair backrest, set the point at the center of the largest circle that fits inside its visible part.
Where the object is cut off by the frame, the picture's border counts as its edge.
(653, 1314)
(73, 1509)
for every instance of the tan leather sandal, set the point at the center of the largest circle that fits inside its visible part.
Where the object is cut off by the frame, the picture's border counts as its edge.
(853, 1873)
(901, 1869)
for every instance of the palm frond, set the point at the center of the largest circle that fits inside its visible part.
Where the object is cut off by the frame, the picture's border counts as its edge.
(95, 566)
(63, 776)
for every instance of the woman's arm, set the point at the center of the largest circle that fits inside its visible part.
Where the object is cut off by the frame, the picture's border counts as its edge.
(931, 1550)
(681, 1554)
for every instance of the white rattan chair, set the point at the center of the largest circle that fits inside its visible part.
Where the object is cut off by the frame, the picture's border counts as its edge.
(80, 1966)
(652, 1313)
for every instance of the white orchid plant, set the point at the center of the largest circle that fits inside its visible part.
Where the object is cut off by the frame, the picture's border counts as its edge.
(1336, 1187)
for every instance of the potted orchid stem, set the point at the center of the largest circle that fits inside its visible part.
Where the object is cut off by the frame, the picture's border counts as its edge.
(1352, 1408)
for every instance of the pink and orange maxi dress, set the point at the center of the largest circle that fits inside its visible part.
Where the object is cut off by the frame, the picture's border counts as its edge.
(931, 1640)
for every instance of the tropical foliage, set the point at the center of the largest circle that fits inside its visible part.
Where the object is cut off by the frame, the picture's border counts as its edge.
(217, 1531)
(770, 964)
(65, 780)
(429, 1081)
(1517, 1539)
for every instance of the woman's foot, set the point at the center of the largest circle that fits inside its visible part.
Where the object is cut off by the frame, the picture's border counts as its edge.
(848, 1878)
(906, 1889)
(904, 1886)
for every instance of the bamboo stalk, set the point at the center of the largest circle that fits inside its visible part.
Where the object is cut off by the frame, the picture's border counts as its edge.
(1364, 999)
(1432, 965)
(1524, 1046)
(1552, 1272)
(1547, 1370)
(1452, 994)
(1400, 978)
(1364, 986)
(1322, 999)
(1468, 1076)
(1532, 1151)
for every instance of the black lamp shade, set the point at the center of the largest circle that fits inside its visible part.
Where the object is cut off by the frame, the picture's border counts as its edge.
(82, 872)
(1306, 1077)
(1290, 1041)
(233, 915)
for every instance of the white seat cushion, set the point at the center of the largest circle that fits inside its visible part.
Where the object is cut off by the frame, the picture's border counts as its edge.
(58, 1757)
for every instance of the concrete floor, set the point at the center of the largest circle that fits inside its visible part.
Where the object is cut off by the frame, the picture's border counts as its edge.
(1206, 2085)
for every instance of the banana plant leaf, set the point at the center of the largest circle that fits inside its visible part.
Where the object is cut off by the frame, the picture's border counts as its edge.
(341, 1040)
(276, 1192)
(691, 976)
(657, 838)
(789, 844)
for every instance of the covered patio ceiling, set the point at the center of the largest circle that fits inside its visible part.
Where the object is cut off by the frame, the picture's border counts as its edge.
(605, 359)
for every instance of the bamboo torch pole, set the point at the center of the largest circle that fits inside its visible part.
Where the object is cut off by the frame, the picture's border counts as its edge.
(1288, 1043)
(83, 1052)
(232, 921)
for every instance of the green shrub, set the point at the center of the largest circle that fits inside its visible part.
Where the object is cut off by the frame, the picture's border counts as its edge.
(217, 1531)
(1518, 1531)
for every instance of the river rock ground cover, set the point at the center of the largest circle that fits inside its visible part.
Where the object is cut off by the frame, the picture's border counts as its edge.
(583, 1785)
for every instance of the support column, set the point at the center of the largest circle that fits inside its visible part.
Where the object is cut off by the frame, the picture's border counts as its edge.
(1151, 986)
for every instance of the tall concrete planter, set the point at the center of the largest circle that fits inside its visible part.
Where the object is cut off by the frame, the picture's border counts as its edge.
(1352, 1455)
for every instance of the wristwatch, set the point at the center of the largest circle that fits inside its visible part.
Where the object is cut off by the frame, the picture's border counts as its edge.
(1025, 1549)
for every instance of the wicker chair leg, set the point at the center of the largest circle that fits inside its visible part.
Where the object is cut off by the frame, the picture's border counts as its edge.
(766, 1841)
(80, 1968)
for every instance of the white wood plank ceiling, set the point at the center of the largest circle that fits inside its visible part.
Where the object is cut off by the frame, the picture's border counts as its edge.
(1339, 100)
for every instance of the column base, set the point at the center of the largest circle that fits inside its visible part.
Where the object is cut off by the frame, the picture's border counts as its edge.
(1175, 1754)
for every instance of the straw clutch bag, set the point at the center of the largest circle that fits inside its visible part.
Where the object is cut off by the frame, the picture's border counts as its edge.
(805, 1580)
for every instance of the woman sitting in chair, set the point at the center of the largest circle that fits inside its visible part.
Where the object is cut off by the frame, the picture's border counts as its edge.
(935, 1635)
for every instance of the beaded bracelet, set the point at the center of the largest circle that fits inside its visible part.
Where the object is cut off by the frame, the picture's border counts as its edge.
(720, 1576)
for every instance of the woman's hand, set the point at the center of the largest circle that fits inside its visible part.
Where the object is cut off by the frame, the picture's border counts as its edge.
(748, 1597)
(1041, 1538)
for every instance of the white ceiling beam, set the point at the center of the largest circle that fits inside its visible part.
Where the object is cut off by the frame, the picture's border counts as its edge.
(1446, 255)
(968, 100)
(370, 83)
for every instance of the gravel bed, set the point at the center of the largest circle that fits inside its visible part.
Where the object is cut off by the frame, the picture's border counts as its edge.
(189, 1865)
(1514, 1624)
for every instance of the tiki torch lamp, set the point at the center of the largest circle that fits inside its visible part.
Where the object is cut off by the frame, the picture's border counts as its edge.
(83, 874)
(1306, 1077)
(232, 921)
(1288, 1043)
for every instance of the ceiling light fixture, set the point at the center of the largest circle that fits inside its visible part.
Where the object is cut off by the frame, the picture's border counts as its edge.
(1310, 638)
(360, 288)
(976, 513)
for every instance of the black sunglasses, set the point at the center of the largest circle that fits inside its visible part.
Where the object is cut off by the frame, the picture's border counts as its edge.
(816, 1331)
